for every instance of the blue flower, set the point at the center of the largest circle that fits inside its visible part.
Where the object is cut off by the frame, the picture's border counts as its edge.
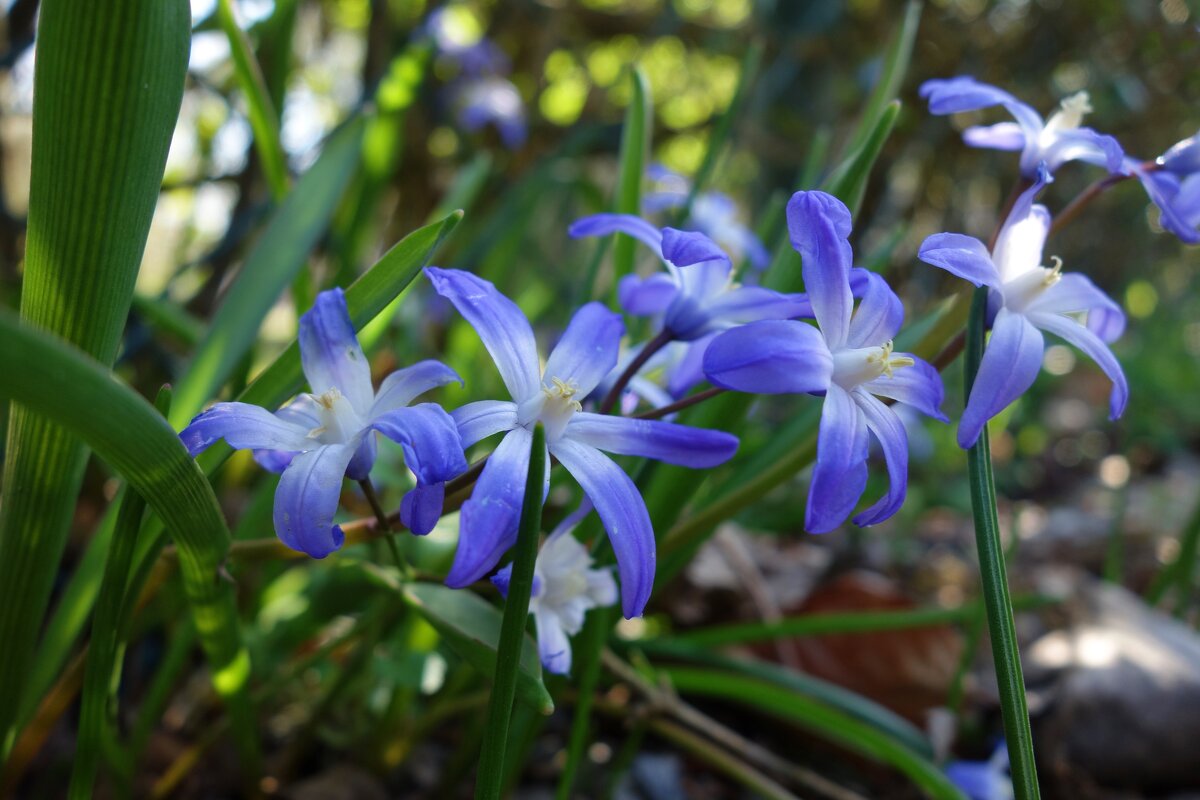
(1026, 298)
(586, 353)
(322, 437)
(1172, 182)
(712, 213)
(983, 780)
(565, 588)
(491, 100)
(848, 358)
(697, 296)
(1054, 141)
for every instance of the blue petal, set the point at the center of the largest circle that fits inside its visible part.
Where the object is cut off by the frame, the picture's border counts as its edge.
(688, 371)
(879, 315)
(840, 474)
(1074, 293)
(964, 93)
(421, 507)
(752, 303)
(961, 255)
(1095, 348)
(685, 248)
(1010, 366)
(604, 224)
(429, 437)
(488, 521)
(302, 411)
(307, 499)
(479, 420)
(889, 430)
(244, 427)
(770, 357)
(502, 579)
(919, 386)
(404, 385)
(1083, 144)
(364, 458)
(330, 353)
(1001, 136)
(643, 297)
(819, 227)
(1165, 190)
(588, 349)
(1183, 158)
(624, 515)
(502, 326)
(663, 441)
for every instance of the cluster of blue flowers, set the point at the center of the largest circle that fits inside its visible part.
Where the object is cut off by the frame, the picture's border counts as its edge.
(834, 341)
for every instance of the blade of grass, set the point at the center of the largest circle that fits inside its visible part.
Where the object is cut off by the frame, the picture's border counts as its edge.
(260, 111)
(822, 720)
(895, 66)
(490, 780)
(107, 90)
(276, 259)
(81, 395)
(635, 145)
(994, 580)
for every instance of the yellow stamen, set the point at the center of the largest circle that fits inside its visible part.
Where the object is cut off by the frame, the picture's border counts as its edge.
(563, 392)
(1054, 273)
(887, 362)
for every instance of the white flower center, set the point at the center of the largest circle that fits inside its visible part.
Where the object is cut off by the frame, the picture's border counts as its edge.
(1071, 112)
(1027, 287)
(554, 407)
(339, 421)
(855, 366)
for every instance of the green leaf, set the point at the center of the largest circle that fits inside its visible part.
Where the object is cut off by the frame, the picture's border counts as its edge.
(80, 394)
(471, 626)
(635, 146)
(264, 121)
(276, 259)
(107, 89)
(820, 719)
(848, 182)
(895, 66)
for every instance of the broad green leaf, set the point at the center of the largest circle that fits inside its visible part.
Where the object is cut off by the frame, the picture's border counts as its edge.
(471, 626)
(635, 148)
(80, 394)
(276, 259)
(264, 121)
(818, 718)
(107, 89)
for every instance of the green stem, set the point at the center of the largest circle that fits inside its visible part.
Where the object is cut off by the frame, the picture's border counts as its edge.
(512, 629)
(994, 580)
(591, 643)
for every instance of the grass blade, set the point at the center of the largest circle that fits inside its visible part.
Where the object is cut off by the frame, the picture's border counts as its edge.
(635, 146)
(490, 781)
(115, 72)
(895, 66)
(994, 579)
(264, 121)
(270, 267)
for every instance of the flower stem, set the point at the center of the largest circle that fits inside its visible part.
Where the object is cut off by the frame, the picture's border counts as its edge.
(661, 340)
(385, 525)
(679, 405)
(1083, 200)
(512, 628)
(994, 581)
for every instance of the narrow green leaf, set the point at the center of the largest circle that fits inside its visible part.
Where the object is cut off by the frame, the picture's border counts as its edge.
(849, 181)
(635, 147)
(264, 121)
(891, 77)
(1006, 654)
(471, 626)
(169, 318)
(511, 649)
(81, 395)
(276, 259)
(820, 719)
(102, 657)
(721, 131)
(107, 89)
